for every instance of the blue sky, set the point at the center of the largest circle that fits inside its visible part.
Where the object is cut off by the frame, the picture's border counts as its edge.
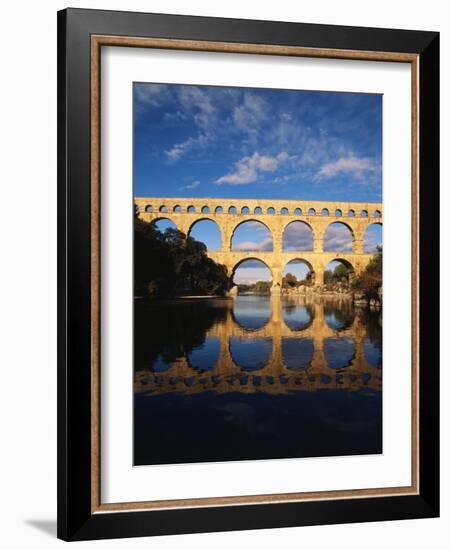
(204, 141)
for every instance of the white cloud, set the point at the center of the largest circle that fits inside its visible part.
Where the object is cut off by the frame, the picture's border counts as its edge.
(180, 149)
(247, 168)
(348, 164)
(250, 113)
(191, 185)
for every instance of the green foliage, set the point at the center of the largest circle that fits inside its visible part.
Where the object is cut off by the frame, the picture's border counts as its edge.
(289, 281)
(370, 281)
(171, 263)
(341, 273)
(328, 275)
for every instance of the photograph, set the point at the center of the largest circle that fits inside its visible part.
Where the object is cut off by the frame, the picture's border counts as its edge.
(257, 273)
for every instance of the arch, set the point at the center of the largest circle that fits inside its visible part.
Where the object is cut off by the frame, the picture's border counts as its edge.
(257, 265)
(311, 212)
(160, 364)
(351, 213)
(271, 211)
(297, 235)
(245, 210)
(339, 352)
(284, 211)
(297, 212)
(177, 209)
(253, 235)
(258, 210)
(297, 316)
(205, 209)
(161, 224)
(338, 213)
(206, 231)
(249, 315)
(377, 214)
(148, 208)
(219, 210)
(324, 212)
(205, 357)
(372, 237)
(232, 210)
(301, 269)
(297, 353)
(372, 352)
(338, 237)
(250, 355)
(339, 317)
(364, 214)
(329, 270)
(163, 208)
(191, 209)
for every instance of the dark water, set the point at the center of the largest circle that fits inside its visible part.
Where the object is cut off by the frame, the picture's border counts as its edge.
(255, 377)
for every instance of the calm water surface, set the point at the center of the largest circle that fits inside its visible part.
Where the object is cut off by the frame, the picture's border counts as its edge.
(255, 377)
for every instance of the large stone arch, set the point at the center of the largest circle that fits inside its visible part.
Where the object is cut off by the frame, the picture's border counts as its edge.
(301, 259)
(351, 268)
(247, 258)
(304, 223)
(211, 219)
(247, 220)
(164, 218)
(345, 224)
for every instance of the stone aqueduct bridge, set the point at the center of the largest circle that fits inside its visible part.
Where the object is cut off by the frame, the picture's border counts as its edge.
(276, 215)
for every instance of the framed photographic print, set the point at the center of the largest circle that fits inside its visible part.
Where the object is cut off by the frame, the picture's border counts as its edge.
(248, 274)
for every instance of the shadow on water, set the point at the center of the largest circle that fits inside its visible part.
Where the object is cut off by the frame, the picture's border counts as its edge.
(255, 377)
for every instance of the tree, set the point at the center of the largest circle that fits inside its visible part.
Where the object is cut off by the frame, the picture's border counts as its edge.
(289, 281)
(341, 273)
(172, 263)
(327, 276)
(369, 282)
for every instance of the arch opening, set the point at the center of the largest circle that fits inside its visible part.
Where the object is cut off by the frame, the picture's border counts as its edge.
(284, 211)
(191, 209)
(250, 314)
(232, 210)
(250, 355)
(148, 208)
(324, 212)
(297, 353)
(338, 271)
(205, 357)
(252, 276)
(338, 238)
(297, 273)
(205, 209)
(339, 315)
(161, 224)
(251, 236)
(258, 210)
(298, 212)
(177, 209)
(271, 211)
(312, 212)
(339, 352)
(297, 236)
(219, 210)
(207, 232)
(372, 238)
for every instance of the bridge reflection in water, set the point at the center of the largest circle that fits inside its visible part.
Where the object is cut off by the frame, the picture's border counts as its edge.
(255, 377)
(289, 345)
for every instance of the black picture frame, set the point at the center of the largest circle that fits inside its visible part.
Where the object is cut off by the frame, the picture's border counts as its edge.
(76, 521)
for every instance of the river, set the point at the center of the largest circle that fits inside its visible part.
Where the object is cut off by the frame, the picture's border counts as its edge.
(255, 377)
